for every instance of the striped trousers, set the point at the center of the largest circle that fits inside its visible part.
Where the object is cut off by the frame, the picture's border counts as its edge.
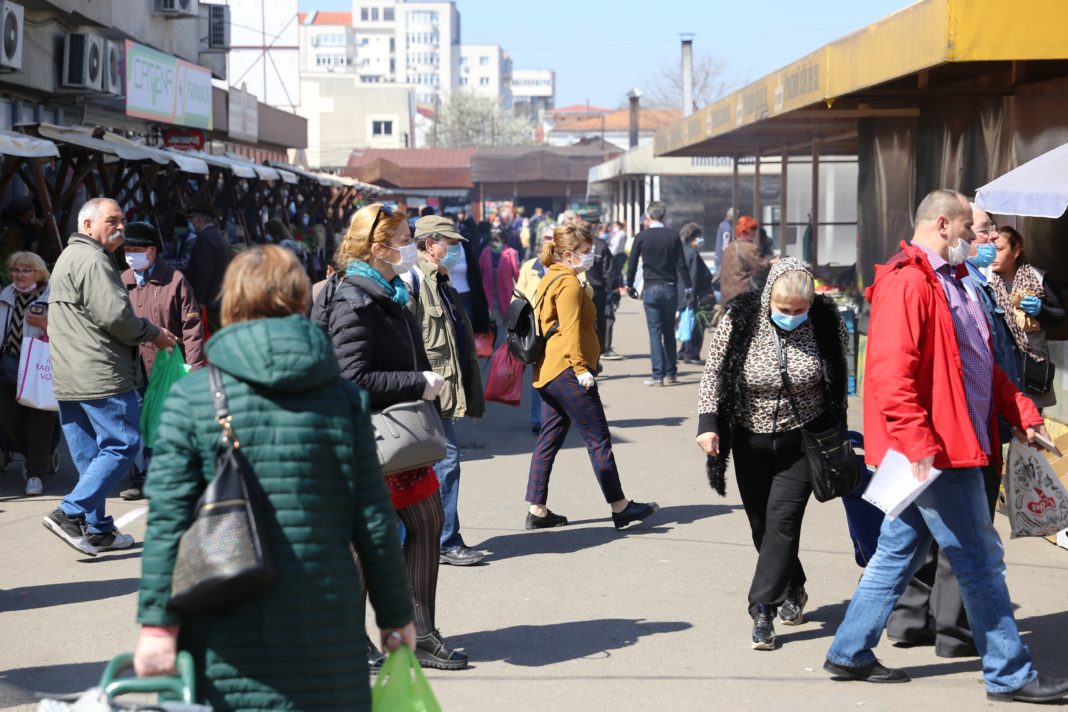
(565, 401)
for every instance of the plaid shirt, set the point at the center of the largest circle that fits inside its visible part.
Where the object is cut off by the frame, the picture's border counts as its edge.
(973, 342)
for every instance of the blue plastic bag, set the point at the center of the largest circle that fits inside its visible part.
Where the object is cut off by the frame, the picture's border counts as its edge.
(684, 331)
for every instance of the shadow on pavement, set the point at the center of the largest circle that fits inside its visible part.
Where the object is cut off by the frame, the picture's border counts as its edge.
(645, 422)
(541, 645)
(60, 594)
(17, 686)
(572, 538)
(819, 622)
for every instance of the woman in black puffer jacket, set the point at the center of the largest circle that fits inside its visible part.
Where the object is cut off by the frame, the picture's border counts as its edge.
(379, 346)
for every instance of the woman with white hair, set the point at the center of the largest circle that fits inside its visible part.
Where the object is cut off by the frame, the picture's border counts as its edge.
(776, 365)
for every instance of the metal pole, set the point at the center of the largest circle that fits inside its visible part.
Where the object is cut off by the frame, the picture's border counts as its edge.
(687, 73)
(815, 202)
(734, 188)
(635, 112)
(756, 190)
(783, 204)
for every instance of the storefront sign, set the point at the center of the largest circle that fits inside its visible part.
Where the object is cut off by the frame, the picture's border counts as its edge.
(163, 88)
(243, 114)
(184, 139)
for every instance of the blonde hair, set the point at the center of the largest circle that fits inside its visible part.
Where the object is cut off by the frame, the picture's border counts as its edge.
(795, 283)
(356, 245)
(566, 238)
(262, 282)
(30, 260)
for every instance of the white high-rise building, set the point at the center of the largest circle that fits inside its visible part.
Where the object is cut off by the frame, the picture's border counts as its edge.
(375, 23)
(427, 40)
(327, 42)
(487, 71)
(533, 92)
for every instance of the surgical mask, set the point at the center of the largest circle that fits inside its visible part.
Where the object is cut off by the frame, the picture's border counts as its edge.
(409, 255)
(958, 254)
(585, 264)
(452, 257)
(986, 254)
(699, 243)
(138, 261)
(788, 322)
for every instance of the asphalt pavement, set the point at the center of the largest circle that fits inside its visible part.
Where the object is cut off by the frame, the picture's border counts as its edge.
(577, 618)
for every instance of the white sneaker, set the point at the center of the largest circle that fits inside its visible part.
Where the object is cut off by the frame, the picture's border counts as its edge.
(112, 540)
(34, 486)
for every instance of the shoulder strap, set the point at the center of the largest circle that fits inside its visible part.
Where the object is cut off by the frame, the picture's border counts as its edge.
(786, 378)
(221, 406)
(537, 308)
(416, 276)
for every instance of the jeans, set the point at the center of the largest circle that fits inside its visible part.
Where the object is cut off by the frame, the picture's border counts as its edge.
(103, 436)
(448, 471)
(953, 511)
(661, 301)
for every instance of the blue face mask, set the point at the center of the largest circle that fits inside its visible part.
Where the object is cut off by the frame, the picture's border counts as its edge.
(787, 322)
(986, 254)
(452, 257)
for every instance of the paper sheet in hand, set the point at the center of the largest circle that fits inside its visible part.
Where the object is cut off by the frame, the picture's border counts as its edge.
(893, 487)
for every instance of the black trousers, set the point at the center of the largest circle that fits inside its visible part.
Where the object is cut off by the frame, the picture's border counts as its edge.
(773, 480)
(600, 301)
(931, 605)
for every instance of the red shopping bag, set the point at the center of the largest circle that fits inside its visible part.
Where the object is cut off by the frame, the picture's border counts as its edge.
(483, 345)
(504, 384)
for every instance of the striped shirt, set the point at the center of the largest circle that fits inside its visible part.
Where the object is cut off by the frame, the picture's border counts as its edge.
(973, 342)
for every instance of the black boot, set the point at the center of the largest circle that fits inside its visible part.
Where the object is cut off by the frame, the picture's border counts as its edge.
(432, 651)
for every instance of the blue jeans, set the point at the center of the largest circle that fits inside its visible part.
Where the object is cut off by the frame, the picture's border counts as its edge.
(661, 301)
(953, 511)
(103, 436)
(448, 472)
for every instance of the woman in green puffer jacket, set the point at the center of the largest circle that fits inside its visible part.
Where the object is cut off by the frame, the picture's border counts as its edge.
(306, 433)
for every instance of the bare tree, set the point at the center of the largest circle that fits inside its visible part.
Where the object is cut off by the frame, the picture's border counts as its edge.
(713, 77)
(467, 119)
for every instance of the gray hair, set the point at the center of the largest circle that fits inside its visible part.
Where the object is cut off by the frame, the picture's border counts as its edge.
(795, 283)
(91, 209)
(656, 211)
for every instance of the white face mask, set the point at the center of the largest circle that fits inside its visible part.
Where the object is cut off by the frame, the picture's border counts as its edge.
(409, 256)
(584, 265)
(138, 261)
(957, 255)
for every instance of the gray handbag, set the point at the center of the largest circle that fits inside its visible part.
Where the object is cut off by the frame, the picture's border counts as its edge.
(409, 435)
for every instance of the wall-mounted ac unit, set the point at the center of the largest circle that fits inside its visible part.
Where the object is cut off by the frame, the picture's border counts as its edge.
(114, 68)
(83, 61)
(11, 16)
(219, 27)
(176, 8)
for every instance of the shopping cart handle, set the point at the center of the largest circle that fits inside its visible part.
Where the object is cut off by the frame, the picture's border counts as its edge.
(176, 687)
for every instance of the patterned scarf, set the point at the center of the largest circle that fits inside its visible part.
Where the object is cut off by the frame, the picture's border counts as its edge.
(1028, 282)
(395, 288)
(13, 342)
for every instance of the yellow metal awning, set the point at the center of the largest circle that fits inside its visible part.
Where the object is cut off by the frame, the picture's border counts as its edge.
(823, 94)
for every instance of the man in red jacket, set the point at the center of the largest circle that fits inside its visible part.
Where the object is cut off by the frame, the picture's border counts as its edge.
(933, 393)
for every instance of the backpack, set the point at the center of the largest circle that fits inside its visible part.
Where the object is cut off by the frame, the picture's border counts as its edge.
(524, 340)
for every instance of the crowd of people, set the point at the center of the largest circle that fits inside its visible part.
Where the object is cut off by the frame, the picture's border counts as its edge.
(956, 362)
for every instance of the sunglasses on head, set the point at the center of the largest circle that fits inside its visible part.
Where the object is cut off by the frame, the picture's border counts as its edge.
(382, 208)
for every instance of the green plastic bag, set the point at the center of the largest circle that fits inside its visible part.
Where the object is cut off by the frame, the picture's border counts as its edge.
(401, 685)
(168, 367)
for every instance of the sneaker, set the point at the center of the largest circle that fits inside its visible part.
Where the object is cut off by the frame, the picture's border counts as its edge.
(764, 628)
(460, 556)
(375, 658)
(132, 494)
(792, 610)
(611, 355)
(34, 486)
(671, 380)
(71, 531)
(114, 539)
(432, 651)
(657, 382)
(635, 512)
(549, 521)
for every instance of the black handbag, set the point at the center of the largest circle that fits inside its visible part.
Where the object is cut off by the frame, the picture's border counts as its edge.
(1038, 375)
(832, 464)
(223, 558)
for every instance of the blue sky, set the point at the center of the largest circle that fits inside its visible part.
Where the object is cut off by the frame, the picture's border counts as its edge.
(601, 49)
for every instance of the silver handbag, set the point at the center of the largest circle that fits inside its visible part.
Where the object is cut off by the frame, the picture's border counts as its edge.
(408, 435)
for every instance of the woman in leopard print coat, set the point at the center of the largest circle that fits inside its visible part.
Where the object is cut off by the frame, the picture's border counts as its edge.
(744, 410)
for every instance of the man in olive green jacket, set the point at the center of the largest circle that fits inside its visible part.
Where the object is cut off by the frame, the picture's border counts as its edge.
(450, 347)
(94, 337)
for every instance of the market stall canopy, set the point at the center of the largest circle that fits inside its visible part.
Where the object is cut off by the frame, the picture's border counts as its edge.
(1038, 188)
(954, 48)
(264, 173)
(186, 164)
(241, 171)
(16, 144)
(83, 139)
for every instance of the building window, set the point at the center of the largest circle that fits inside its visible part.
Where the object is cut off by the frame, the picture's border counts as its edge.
(364, 14)
(381, 128)
(464, 61)
(463, 81)
(484, 61)
(387, 14)
(483, 81)
(374, 14)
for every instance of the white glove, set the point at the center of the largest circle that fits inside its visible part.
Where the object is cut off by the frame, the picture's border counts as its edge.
(434, 384)
(586, 380)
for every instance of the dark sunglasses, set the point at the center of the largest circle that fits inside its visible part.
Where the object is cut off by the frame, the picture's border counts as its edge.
(382, 208)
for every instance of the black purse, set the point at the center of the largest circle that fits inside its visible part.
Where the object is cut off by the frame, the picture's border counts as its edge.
(223, 559)
(832, 464)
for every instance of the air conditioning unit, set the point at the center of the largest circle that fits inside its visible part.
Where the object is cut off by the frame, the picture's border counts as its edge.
(219, 27)
(11, 16)
(176, 8)
(83, 61)
(114, 68)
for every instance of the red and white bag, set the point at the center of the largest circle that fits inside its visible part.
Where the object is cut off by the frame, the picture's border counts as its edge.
(1037, 502)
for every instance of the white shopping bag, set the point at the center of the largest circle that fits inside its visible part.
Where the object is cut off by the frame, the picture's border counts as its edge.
(35, 376)
(1037, 502)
